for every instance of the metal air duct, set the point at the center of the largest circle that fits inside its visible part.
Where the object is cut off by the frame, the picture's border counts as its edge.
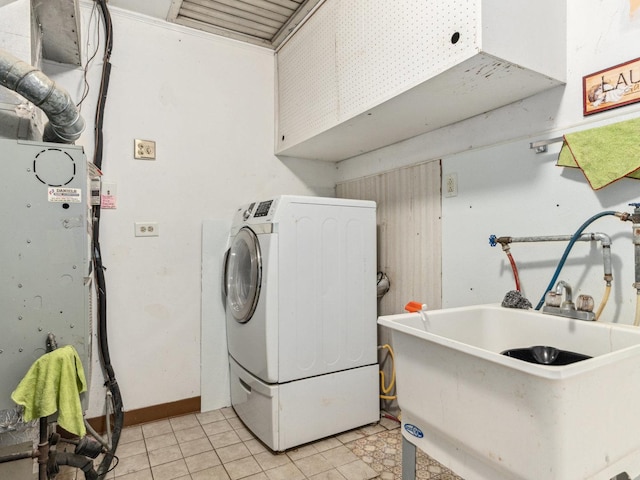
(65, 123)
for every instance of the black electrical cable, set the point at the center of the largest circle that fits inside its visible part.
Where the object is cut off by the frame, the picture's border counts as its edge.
(104, 83)
(101, 290)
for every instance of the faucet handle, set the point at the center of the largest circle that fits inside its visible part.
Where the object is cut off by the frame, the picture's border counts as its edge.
(585, 303)
(552, 299)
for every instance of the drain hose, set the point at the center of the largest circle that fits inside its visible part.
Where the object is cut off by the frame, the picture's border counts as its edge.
(387, 389)
(78, 461)
(605, 299)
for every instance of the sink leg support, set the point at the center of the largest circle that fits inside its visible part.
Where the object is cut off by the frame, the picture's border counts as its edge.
(408, 460)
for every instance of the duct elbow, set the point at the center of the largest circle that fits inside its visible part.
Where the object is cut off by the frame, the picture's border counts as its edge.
(65, 122)
(66, 132)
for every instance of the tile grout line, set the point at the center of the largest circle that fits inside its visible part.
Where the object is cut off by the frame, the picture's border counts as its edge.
(357, 442)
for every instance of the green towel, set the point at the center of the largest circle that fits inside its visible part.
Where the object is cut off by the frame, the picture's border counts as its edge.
(54, 384)
(604, 154)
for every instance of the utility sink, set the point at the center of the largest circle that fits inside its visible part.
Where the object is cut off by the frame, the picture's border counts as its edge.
(490, 416)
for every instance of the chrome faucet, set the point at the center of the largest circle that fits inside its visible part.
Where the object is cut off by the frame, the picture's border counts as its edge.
(568, 296)
(555, 306)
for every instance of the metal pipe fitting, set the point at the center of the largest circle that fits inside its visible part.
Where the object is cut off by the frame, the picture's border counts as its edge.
(605, 241)
(603, 238)
(18, 456)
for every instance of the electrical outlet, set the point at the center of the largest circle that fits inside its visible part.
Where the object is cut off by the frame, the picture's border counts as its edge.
(450, 185)
(144, 149)
(147, 229)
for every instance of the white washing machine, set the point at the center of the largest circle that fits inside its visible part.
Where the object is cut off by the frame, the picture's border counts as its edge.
(300, 283)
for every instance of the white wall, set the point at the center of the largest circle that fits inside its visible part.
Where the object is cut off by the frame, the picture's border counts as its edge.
(506, 189)
(208, 102)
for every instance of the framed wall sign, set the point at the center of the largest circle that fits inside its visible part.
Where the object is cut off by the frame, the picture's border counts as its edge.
(611, 88)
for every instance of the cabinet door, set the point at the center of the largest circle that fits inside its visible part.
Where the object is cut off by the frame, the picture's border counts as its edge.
(353, 55)
(384, 48)
(307, 78)
(362, 74)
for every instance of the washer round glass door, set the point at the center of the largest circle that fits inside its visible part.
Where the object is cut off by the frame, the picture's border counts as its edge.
(243, 275)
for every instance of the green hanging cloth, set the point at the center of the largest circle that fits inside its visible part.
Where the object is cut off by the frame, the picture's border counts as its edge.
(604, 154)
(54, 384)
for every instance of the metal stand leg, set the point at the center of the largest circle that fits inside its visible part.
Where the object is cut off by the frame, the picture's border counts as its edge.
(408, 460)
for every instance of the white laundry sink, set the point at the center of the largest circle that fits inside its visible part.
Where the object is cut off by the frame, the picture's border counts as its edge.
(489, 416)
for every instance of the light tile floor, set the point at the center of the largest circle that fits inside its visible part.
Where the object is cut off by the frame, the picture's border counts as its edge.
(217, 446)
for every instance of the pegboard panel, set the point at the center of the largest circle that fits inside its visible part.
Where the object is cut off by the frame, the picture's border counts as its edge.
(307, 79)
(388, 47)
(352, 55)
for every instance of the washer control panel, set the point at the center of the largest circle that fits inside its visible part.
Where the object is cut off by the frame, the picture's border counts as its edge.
(254, 213)
(263, 209)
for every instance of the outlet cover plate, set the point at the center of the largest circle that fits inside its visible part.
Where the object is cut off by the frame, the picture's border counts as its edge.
(450, 185)
(144, 149)
(146, 229)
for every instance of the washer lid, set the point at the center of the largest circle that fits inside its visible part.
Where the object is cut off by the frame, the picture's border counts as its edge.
(243, 275)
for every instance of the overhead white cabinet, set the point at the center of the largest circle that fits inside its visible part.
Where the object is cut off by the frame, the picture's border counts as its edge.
(361, 74)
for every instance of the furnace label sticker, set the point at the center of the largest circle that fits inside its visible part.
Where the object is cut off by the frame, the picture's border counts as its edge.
(64, 195)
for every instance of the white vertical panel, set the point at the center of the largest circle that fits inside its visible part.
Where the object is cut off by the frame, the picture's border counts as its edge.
(409, 232)
(214, 362)
(307, 85)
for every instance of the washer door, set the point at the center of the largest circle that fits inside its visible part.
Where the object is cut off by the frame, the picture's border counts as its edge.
(243, 275)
